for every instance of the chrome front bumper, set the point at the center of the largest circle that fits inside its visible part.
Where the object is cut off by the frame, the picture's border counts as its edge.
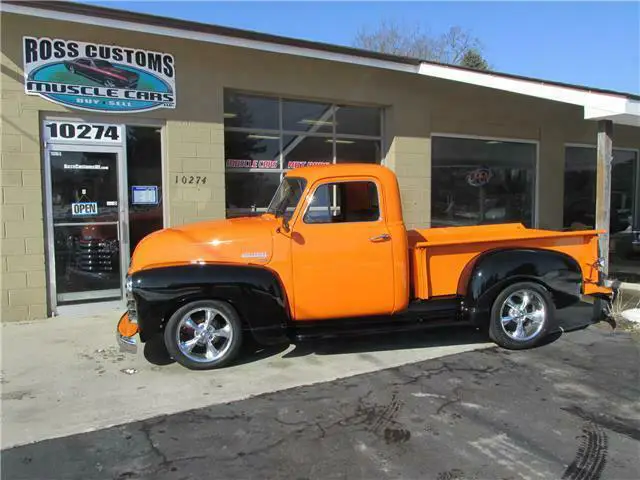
(127, 344)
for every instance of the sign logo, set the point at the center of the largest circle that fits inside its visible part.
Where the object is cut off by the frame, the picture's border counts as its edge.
(95, 77)
(84, 208)
(479, 177)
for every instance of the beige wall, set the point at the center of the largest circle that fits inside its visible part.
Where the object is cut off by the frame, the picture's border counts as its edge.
(194, 138)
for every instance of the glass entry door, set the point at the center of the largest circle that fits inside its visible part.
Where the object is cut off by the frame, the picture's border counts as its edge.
(85, 234)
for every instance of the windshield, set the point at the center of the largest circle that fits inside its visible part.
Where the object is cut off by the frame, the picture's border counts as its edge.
(287, 196)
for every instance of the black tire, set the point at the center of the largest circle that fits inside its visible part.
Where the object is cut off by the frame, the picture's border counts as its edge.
(230, 316)
(498, 334)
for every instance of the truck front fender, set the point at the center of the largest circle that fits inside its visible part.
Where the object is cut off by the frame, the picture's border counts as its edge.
(489, 273)
(255, 292)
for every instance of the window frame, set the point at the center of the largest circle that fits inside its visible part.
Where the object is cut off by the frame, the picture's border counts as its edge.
(636, 180)
(282, 133)
(489, 138)
(320, 183)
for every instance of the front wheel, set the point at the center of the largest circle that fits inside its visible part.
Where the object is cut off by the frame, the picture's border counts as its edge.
(521, 316)
(204, 334)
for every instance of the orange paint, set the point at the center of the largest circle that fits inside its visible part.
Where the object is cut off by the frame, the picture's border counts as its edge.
(125, 327)
(332, 270)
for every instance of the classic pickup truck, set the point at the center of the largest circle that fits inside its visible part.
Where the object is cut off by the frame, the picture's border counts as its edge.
(332, 257)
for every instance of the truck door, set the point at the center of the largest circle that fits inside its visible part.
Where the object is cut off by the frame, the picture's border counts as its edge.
(342, 253)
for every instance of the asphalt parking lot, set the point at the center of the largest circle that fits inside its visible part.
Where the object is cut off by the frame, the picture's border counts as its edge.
(567, 410)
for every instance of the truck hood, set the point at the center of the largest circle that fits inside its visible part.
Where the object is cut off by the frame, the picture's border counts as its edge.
(244, 241)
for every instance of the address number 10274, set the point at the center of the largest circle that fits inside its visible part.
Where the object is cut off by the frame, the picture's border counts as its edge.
(191, 180)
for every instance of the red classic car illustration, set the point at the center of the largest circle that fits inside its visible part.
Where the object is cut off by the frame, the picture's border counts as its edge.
(102, 72)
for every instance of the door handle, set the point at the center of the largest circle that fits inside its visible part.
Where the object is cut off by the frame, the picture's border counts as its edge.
(380, 238)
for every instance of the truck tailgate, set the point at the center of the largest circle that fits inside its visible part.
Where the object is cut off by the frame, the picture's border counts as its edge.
(446, 252)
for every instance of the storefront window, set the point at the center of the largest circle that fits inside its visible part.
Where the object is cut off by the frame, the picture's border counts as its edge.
(267, 136)
(478, 181)
(580, 204)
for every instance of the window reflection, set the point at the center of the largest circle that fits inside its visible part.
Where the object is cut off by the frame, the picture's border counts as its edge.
(250, 111)
(580, 188)
(276, 134)
(249, 191)
(580, 205)
(479, 181)
(358, 151)
(307, 116)
(302, 151)
(144, 168)
(358, 121)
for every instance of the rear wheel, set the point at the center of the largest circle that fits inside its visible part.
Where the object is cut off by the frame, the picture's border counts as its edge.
(204, 334)
(521, 316)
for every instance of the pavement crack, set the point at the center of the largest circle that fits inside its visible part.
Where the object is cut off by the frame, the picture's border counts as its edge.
(457, 399)
(145, 428)
(445, 367)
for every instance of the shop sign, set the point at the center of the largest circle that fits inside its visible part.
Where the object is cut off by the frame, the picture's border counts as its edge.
(96, 77)
(84, 208)
(264, 164)
(79, 132)
(270, 164)
(479, 177)
(298, 164)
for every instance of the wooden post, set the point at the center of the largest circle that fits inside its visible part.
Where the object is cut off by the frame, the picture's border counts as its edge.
(603, 187)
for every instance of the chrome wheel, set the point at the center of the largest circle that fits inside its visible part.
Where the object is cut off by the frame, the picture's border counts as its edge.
(109, 83)
(204, 334)
(522, 315)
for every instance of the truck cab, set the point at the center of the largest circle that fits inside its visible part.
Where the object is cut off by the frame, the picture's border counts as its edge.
(332, 256)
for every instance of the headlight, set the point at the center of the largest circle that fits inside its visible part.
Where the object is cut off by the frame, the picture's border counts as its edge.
(128, 285)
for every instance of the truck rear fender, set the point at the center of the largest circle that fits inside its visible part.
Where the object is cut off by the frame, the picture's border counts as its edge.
(489, 273)
(255, 292)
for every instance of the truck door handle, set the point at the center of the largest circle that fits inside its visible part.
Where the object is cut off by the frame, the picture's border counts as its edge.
(380, 238)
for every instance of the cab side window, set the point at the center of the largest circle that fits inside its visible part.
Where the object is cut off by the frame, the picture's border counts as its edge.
(343, 202)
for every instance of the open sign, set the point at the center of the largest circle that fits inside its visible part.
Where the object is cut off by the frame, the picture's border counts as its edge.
(84, 208)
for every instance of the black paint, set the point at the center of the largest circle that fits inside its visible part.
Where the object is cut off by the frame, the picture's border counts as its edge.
(256, 294)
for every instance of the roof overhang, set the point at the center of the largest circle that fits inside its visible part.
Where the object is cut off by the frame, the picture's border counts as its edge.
(623, 109)
(597, 106)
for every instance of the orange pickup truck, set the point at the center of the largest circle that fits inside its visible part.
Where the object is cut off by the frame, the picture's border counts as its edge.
(332, 257)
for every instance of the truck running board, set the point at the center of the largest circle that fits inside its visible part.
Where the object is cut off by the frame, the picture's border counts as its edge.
(419, 316)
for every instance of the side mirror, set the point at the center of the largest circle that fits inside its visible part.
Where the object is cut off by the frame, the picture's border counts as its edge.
(284, 226)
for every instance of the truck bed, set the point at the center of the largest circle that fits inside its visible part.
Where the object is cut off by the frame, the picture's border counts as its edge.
(449, 250)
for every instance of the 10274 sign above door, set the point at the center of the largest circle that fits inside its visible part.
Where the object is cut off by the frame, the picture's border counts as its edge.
(79, 132)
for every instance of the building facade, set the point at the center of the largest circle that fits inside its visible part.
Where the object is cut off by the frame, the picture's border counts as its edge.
(117, 124)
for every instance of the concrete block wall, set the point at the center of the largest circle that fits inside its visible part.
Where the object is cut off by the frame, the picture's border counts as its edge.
(194, 149)
(22, 271)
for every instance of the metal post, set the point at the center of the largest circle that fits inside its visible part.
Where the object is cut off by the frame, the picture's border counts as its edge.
(603, 187)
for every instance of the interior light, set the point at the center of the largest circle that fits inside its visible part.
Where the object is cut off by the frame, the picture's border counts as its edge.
(266, 137)
(315, 122)
(492, 142)
(230, 115)
(340, 141)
